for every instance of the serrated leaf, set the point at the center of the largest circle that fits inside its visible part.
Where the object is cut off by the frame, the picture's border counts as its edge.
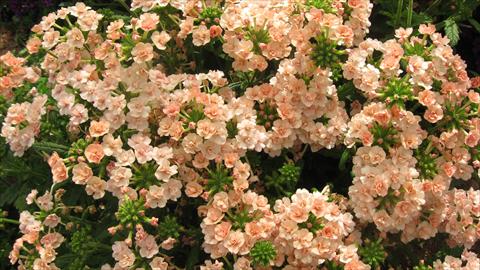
(452, 31)
(20, 202)
(8, 195)
(12, 166)
(419, 18)
(50, 147)
(475, 24)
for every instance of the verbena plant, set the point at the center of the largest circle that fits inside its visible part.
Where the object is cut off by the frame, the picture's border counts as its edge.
(167, 134)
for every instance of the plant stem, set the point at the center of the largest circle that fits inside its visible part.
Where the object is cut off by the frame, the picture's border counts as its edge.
(410, 13)
(122, 2)
(432, 5)
(8, 220)
(229, 264)
(398, 13)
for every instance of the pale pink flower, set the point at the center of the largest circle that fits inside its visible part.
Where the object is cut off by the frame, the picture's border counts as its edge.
(148, 247)
(32, 196)
(160, 39)
(242, 263)
(52, 220)
(201, 35)
(111, 145)
(193, 189)
(433, 113)
(50, 39)
(165, 170)
(168, 243)
(45, 202)
(81, 173)
(98, 128)
(75, 38)
(122, 254)
(59, 171)
(96, 187)
(426, 29)
(94, 153)
(234, 241)
(53, 240)
(148, 21)
(156, 197)
(158, 263)
(142, 52)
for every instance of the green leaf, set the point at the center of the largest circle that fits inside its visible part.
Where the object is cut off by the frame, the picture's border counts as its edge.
(346, 155)
(9, 194)
(11, 166)
(50, 147)
(475, 24)
(452, 31)
(419, 18)
(193, 257)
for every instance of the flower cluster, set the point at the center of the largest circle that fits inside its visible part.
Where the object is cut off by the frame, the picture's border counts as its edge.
(13, 74)
(468, 260)
(462, 212)
(233, 223)
(312, 230)
(35, 238)
(22, 123)
(386, 189)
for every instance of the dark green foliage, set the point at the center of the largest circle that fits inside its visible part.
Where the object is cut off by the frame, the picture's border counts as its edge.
(449, 15)
(169, 227)
(284, 181)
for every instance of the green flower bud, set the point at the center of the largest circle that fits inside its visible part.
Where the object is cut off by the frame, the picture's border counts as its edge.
(290, 172)
(372, 253)
(211, 13)
(326, 5)
(326, 53)
(169, 227)
(397, 92)
(262, 253)
(422, 266)
(131, 212)
(218, 180)
(80, 239)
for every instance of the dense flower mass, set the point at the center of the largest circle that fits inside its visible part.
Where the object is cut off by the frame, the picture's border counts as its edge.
(169, 114)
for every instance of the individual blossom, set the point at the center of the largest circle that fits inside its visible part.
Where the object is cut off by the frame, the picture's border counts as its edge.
(94, 153)
(201, 35)
(123, 254)
(142, 52)
(148, 21)
(96, 187)
(160, 39)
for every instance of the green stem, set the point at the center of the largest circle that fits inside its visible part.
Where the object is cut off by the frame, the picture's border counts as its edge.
(429, 147)
(398, 13)
(8, 220)
(432, 5)
(229, 264)
(122, 2)
(410, 13)
(69, 22)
